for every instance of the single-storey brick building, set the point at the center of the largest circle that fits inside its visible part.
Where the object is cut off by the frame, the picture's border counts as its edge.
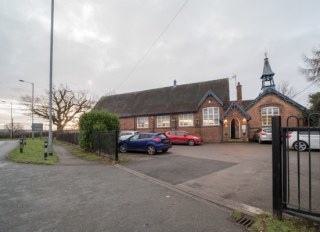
(202, 108)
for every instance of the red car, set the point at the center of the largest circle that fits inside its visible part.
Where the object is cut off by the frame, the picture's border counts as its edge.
(182, 137)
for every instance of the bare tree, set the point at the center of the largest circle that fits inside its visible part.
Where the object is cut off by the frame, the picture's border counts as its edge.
(67, 105)
(111, 92)
(312, 69)
(16, 128)
(285, 88)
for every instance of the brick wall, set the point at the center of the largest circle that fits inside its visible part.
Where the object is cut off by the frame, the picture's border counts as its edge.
(127, 123)
(286, 110)
(208, 133)
(221, 132)
(241, 121)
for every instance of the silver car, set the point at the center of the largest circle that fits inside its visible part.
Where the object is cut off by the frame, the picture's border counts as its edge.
(303, 143)
(263, 134)
(126, 134)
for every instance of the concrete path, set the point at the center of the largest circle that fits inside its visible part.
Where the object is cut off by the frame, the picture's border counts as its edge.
(87, 196)
(65, 158)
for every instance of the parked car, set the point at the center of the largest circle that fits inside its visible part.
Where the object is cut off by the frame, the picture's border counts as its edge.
(303, 143)
(182, 137)
(263, 134)
(150, 142)
(126, 134)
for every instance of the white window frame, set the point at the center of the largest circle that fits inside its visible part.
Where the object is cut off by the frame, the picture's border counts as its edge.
(210, 116)
(142, 122)
(267, 113)
(185, 120)
(163, 121)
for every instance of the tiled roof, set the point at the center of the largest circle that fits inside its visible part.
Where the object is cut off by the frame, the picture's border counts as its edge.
(273, 91)
(179, 99)
(235, 105)
(246, 103)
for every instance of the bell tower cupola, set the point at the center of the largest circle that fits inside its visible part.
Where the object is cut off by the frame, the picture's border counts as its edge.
(267, 75)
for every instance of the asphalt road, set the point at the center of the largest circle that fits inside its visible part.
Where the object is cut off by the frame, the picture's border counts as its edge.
(96, 197)
(228, 173)
(237, 175)
(176, 169)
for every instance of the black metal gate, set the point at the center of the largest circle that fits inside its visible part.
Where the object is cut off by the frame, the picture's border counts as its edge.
(106, 144)
(296, 167)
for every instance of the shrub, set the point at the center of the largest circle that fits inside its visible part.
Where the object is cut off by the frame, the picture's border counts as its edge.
(96, 121)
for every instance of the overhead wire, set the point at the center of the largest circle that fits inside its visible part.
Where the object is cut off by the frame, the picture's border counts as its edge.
(305, 90)
(147, 52)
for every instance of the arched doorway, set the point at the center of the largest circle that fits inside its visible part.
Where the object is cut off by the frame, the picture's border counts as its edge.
(235, 128)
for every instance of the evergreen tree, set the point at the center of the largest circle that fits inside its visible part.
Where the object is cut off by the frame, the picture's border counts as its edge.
(312, 69)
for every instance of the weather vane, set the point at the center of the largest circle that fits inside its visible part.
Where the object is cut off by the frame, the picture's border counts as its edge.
(265, 53)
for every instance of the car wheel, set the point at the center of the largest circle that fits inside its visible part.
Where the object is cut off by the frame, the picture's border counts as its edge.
(164, 150)
(302, 145)
(123, 148)
(191, 142)
(151, 150)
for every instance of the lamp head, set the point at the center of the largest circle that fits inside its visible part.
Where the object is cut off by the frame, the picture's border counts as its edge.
(21, 80)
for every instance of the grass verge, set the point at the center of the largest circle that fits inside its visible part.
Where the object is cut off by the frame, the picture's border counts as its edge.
(75, 150)
(266, 223)
(32, 153)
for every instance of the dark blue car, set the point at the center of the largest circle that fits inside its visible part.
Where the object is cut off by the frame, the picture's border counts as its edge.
(150, 142)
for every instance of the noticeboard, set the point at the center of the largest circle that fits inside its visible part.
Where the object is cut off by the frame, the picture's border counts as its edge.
(37, 127)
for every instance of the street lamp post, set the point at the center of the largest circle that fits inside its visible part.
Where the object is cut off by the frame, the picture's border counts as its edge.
(11, 121)
(50, 148)
(11, 134)
(31, 105)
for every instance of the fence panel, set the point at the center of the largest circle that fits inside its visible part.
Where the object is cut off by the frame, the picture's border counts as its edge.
(301, 170)
(106, 144)
(296, 167)
(70, 137)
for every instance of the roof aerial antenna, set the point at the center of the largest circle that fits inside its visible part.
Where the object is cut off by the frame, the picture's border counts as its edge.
(235, 79)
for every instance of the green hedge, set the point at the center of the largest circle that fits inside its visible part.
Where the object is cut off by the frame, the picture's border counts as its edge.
(96, 121)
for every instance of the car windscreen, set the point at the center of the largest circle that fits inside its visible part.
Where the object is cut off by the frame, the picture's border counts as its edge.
(162, 136)
(125, 133)
(268, 130)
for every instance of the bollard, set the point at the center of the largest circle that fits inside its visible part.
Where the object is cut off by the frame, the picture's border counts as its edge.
(21, 145)
(50, 153)
(25, 140)
(45, 154)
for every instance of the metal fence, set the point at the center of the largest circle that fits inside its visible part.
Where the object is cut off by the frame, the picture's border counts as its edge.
(70, 137)
(296, 167)
(106, 144)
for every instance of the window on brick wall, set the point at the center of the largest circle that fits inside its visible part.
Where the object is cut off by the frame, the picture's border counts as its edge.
(185, 120)
(142, 122)
(163, 121)
(210, 116)
(267, 113)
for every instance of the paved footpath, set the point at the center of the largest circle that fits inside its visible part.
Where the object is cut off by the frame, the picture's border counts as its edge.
(80, 195)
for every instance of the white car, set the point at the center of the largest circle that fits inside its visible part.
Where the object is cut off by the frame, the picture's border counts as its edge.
(304, 143)
(126, 134)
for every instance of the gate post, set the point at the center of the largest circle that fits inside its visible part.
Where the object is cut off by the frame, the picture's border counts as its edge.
(276, 167)
(116, 144)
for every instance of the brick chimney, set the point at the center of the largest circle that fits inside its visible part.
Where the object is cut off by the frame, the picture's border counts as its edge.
(239, 94)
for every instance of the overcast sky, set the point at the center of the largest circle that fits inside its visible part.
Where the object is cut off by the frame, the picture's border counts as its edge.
(124, 46)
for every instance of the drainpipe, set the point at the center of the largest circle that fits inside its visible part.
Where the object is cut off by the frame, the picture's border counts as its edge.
(221, 132)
